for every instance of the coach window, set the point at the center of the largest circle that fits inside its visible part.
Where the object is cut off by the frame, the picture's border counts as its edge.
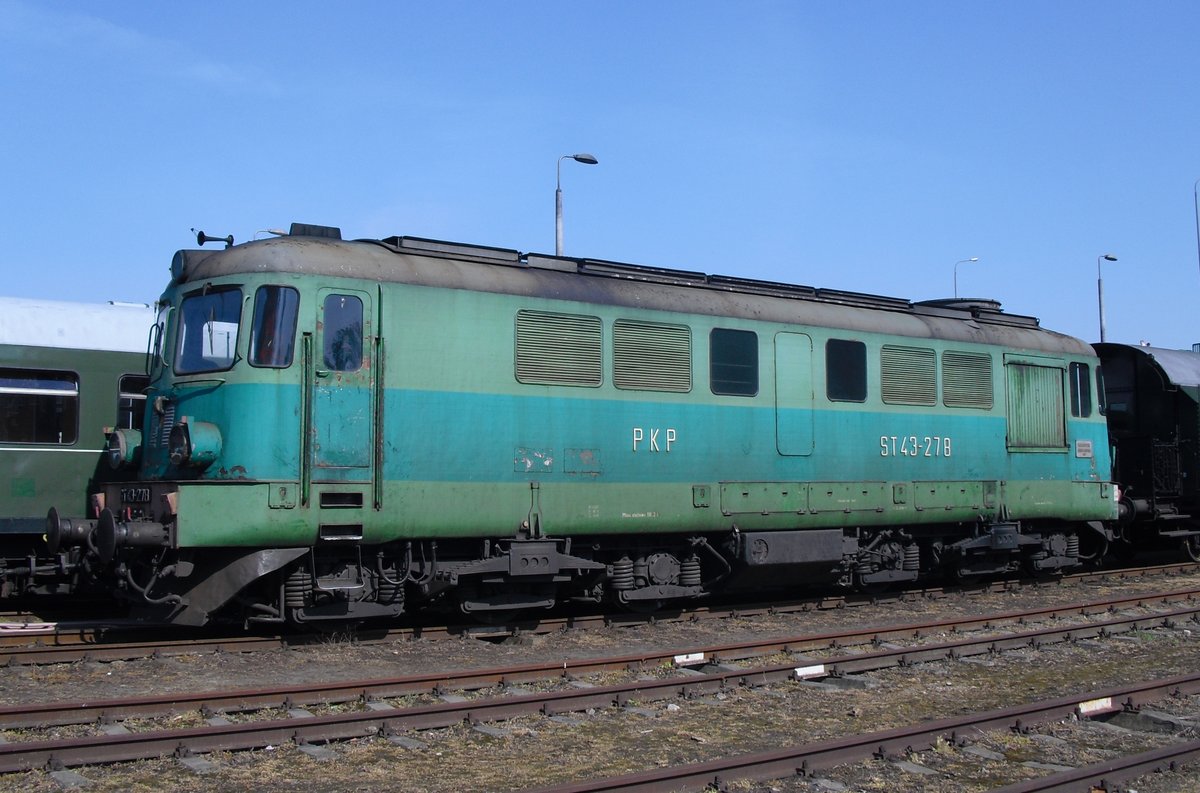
(845, 370)
(1081, 390)
(208, 331)
(38, 406)
(343, 333)
(273, 334)
(733, 359)
(131, 401)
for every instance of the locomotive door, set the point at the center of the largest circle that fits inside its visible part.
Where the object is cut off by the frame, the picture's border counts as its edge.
(342, 377)
(793, 394)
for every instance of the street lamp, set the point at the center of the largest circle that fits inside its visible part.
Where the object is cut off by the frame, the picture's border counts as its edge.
(586, 159)
(1107, 257)
(1196, 212)
(956, 264)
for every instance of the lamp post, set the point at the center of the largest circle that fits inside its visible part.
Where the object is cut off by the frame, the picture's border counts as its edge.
(587, 160)
(956, 264)
(1107, 257)
(1196, 212)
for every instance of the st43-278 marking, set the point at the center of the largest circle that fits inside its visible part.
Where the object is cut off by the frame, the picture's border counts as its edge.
(135, 495)
(914, 446)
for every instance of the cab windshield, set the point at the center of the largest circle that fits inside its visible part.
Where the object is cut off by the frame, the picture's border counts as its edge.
(208, 331)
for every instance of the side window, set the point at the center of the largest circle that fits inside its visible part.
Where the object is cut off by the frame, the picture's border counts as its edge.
(273, 335)
(131, 401)
(343, 317)
(733, 359)
(1081, 390)
(845, 370)
(39, 406)
(1101, 396)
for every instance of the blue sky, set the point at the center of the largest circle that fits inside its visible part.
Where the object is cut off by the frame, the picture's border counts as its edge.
(861, 145)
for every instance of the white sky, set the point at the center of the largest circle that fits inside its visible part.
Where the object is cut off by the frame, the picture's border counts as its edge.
(861, 145)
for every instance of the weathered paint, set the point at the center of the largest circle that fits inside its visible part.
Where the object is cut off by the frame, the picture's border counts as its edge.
(464, 449)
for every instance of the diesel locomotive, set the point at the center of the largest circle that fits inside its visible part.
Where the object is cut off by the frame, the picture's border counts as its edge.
(70, 373)
(341, 430)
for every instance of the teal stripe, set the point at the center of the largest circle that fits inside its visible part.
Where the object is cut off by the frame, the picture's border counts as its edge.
(466, 437)
(469, 437)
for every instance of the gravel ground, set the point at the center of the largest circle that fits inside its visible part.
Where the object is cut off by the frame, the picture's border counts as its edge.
(537, 751)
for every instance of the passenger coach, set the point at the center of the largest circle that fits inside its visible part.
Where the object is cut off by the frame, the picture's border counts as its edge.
(348, 429)
(69, 374)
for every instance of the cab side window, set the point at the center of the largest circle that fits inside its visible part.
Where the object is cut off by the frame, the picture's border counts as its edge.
(1081, 390)
(273, 336)
(343, 317)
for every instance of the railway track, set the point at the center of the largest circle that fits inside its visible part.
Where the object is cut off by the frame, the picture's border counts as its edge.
(71, 642)
(693, 671)
(809, 758)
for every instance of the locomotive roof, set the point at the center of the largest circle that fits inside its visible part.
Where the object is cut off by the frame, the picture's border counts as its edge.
(121, 327)
(451, 265)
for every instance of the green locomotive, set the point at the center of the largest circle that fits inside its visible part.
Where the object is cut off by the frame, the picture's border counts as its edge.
(350, 429)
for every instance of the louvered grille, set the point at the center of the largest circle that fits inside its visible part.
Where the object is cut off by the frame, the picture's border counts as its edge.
(652, 357)
(967, 380)
(167, 424)
(908, 375)
(558, 349)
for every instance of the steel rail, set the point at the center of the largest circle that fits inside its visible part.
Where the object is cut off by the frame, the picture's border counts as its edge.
(111, 748)
(1102, 775)
(72, 642)
(804, 759)
(27, 714)
(33, 714)
(82, 648)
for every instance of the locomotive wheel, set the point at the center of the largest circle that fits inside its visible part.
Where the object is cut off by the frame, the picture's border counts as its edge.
(1093, 554)
(1124, 551)
(1191, 546)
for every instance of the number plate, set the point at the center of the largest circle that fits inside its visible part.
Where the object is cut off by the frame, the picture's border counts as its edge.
(135, 495)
